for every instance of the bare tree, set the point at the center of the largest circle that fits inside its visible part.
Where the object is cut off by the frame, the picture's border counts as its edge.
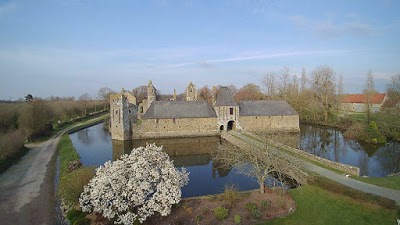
(394, 87)
(270, 84)
(261, 163)
(284, 82)
(84, 98)
(303, 79)
(140, 93)
(104, 95)
(369, 92)
(323, 85)
(339, 93)
(205, 94)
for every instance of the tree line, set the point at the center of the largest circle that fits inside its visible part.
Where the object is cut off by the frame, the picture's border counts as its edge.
(35, 117)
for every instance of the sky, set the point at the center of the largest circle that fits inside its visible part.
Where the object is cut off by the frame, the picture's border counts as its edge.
(71, 47)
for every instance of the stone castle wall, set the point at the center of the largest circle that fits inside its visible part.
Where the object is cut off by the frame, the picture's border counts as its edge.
(122, 115)
(270, 123)
(178, 127)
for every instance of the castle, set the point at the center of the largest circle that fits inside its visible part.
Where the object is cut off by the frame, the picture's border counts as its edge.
(193, 117)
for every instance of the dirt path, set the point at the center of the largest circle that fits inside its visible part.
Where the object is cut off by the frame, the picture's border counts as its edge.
(27, 192)
(27, 188)
(340, 178)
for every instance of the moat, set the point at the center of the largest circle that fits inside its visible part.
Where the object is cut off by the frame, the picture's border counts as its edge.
(95, 146)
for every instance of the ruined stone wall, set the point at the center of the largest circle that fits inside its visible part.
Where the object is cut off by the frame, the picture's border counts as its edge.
(270, 123)
(178, 127)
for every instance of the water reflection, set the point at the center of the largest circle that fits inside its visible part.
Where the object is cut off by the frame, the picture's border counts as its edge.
(373, 160)
(206, 176)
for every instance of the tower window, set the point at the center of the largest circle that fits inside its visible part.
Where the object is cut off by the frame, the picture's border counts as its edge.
(230, 111)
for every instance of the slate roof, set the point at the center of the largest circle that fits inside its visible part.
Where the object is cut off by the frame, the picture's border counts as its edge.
(225, 98)
(362, 98)
(179, 109)
(265, 108)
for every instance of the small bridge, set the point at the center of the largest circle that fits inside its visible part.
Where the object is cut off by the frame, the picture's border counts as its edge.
(243, 139)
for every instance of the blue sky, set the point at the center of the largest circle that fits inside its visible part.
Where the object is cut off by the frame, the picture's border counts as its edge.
(69, 47)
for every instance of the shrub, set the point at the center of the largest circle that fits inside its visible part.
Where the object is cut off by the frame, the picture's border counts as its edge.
(229, 196)
(264, 204)
(237, 219)
(374, 133)
(256, 213)
(250, 206)
(221, 212)
(82, 221)
(73, 213)
(72, 184)
(135, 186)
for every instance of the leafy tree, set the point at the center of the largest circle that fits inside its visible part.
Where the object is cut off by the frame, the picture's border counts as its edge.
(28, 97)
(249, 92)
(135, 186)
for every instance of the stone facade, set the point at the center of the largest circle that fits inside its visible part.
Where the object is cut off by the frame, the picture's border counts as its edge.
(193, 118)
(270, 123)
(191, 92)
(181, 127)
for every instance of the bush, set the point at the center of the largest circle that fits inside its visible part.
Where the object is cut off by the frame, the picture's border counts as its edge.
(229, 196)
(250, 206)
(73, 215)
(82, 221)
(256, 213)
(237, 219)
(71, 185)
(374, 135)
(221, 212)
(264, 204)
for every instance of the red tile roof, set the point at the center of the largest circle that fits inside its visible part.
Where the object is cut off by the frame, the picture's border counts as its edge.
(362, 98)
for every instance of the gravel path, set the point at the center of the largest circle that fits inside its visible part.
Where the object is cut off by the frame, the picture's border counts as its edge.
(340, 178)
(27, 194)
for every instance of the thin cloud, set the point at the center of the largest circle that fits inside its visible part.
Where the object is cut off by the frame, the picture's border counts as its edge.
(258, 57)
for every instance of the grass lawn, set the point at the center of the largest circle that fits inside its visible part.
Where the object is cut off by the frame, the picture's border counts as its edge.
(318, 206)
(387, 182)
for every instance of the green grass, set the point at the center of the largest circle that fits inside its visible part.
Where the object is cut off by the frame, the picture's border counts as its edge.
(387, 182)
(318, 206)
(67, 153)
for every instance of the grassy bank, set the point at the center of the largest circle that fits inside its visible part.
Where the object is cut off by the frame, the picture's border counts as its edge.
(318, 206)
(387, 182)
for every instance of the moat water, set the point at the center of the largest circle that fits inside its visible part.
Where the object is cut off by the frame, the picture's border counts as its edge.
(95, 147)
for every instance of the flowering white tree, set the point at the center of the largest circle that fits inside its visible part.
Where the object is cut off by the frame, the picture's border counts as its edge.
(135, 186)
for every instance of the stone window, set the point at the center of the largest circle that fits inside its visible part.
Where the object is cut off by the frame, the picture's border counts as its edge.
(141, 109)
(173, 120)
(231, 111)
(156, 121)
(129, 111)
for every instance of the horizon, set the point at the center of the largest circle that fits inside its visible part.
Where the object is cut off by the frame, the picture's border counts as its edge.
(67, 48)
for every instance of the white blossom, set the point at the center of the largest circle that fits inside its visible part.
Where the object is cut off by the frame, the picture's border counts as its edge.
(135, 186)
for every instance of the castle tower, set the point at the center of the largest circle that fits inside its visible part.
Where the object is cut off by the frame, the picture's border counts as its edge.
(151, 94)
(191, 92)
(174, 97)
(121, 111)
